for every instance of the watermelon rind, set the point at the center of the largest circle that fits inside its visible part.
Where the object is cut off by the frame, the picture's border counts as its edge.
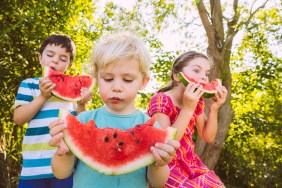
(131, 166)
(207, 93)
(46, 72)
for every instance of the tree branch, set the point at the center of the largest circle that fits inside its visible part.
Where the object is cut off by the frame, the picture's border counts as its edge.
(205, 20)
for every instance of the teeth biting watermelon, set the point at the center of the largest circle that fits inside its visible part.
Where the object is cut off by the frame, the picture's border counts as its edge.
(210, 88)
(68, 87)
(113, 151)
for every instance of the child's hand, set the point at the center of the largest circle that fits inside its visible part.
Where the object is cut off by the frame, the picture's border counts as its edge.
(219, 98)
(56, 132)
(191, 95)
(86, 96)
(164, 152)
(46, 86)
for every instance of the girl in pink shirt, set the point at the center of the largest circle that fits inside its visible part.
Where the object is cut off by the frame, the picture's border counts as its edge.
(183, 107)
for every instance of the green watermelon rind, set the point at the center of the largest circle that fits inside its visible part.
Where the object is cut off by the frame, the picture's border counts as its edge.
(207, 94)
(143, 161)
(55, 93)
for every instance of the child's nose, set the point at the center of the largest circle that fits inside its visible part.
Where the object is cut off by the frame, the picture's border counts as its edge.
(117, 86)
(55, 60)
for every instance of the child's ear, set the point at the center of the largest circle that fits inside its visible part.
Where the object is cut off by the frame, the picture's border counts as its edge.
(175, 77)
(146, 79)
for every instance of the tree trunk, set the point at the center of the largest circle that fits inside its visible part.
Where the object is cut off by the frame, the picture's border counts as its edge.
(219, 54)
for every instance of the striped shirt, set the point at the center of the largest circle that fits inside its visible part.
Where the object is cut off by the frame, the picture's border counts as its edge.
(36, 152)
(186, 169)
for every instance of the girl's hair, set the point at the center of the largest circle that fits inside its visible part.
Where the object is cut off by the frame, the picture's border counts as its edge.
(178, 65)
(119, 46)
(60, 40)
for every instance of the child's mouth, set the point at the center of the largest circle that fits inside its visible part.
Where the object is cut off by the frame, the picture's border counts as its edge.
(115, 100)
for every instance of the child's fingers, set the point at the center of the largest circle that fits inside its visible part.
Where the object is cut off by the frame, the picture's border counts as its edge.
(56, 128)
(55, 123)
(56, 140)
(63, 149)
(174, 143)
(170, 150)
(158, 156)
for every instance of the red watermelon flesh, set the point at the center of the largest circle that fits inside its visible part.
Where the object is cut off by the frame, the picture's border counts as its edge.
(209, 88)
(113, 151)
(68, 87)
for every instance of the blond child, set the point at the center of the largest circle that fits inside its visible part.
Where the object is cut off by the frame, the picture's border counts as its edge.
(121, 64)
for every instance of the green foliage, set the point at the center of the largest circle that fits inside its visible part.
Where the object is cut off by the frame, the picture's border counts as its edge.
(251, 155)
(24, 25)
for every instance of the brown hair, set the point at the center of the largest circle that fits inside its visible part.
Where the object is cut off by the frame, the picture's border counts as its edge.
(178, 65)
(60, 40)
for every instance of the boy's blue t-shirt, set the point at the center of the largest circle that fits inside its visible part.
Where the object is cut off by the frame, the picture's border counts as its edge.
(86, 177)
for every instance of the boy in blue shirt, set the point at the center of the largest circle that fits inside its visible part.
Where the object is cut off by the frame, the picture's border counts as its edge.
(36, 106)
(121, 64)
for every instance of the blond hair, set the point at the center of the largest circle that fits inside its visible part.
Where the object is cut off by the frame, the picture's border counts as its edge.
(121, 45)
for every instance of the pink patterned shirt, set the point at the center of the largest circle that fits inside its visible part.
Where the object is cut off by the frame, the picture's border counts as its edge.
(186, 169)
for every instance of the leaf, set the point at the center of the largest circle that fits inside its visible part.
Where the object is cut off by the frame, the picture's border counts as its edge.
(197, 1)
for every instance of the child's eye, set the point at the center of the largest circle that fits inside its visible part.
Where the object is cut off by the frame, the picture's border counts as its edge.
(196, 70)
(49, 55)
(128, 80)
(63, 60)
(108, 79)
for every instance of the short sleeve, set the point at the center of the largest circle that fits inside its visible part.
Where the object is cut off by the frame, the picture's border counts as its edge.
(27, 91)
(160, 103)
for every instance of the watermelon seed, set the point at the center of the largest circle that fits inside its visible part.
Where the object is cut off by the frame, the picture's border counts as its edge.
(137, 141)
(115, 135)
(138, 126)
(107, 139)
(120, 143)
(131, 133)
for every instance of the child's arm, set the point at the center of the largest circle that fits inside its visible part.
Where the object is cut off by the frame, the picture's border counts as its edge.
(86, 96)
(63, 161)
(191, 97)
(207, 127)
(163, 153)
(25, 113)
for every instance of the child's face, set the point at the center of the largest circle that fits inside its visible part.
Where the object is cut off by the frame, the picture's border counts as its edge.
(55, 57)
(119, 83)
(198, 69)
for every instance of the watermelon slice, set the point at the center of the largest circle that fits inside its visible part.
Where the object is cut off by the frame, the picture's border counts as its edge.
(208, 88)
(113, 151)
(68, 87)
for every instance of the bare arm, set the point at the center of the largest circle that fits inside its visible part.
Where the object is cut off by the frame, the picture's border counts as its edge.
(157, 176)
(163, 153)
(190, 100)
(180, 124)
(63, 161)
(207, 127)
(63, 165)
(25, 113)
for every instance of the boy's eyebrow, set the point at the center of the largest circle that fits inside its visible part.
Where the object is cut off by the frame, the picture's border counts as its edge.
(54, 52)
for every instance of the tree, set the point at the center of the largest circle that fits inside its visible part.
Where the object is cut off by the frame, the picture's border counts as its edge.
(220, 32)
(252, 156)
